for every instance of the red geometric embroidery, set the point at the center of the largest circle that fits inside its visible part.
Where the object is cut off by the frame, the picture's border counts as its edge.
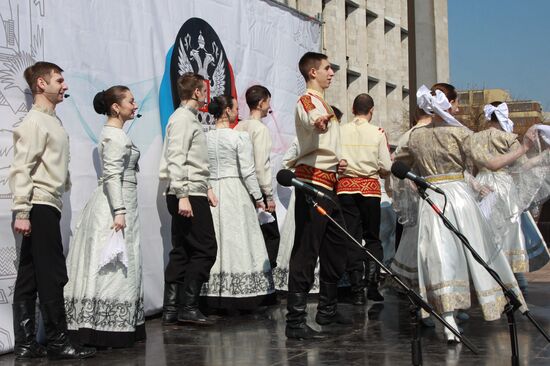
(310, 174)
(365, 186)
(328, 108)
(307, 103)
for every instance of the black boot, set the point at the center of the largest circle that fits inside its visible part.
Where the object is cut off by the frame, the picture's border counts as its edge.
(59, 345)
(372, 282)
(326, 310)
(296, 326)
(170, 306)
(188, 302)
(357, 288)
(24, 329)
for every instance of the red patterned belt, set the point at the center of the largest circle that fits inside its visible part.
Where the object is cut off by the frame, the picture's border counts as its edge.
(313, 175)
(365, 186)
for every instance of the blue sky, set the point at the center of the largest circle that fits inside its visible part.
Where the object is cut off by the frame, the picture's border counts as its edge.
(501, 44)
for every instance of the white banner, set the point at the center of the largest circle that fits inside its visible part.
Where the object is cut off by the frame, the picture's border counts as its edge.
(141, 44)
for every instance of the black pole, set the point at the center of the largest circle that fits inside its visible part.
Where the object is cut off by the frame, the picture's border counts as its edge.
(415, 299)
(513, 334)
(513, 301)
(416, 342)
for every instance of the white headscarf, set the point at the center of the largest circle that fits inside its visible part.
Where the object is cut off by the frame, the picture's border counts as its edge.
(544, 132)
(501, 112)
(438, 104)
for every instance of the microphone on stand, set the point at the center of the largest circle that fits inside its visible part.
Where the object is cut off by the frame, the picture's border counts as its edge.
(287, 178)
(402, 171)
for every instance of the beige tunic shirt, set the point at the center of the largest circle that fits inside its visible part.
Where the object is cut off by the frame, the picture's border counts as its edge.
(290, 154)
(365, 148)
(261, 144)
(316, 149)
(39, 173)
(489, 143)
(184, 161)
(437, 149)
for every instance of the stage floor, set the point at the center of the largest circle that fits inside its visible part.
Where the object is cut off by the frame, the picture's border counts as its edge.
(380, 336)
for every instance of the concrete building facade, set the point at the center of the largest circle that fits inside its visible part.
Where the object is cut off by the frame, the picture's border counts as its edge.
(386, 48)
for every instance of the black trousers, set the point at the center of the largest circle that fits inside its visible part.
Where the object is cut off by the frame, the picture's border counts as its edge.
(362, 217)
(42, 266)
(272, 238)
(194, 244)
(316, 237)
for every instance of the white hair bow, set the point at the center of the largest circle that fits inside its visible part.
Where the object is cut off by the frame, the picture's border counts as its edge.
(438, 104)
(544, 133)
(501, 112)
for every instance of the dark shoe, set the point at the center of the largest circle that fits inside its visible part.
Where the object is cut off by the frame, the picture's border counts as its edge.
(462, 316)
(24, 329)
(59, 345)
(428, 322)
(304, 331)
(170, 306)
(326, 310)
(337, 318)
(374, 295)
(373, 278)
(296, 326)
(453, 341)
(188, 302)
(358, 298)
(357, 288)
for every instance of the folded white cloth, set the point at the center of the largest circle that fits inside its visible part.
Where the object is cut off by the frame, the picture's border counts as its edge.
(487, 203)
(113, 251)
(264, 217)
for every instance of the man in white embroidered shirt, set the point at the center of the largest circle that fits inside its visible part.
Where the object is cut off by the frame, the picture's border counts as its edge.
(38, 178)
(184, 165)
(316, 163)
(258, 99)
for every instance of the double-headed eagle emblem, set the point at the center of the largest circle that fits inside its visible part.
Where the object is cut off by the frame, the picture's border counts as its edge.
(204, 60)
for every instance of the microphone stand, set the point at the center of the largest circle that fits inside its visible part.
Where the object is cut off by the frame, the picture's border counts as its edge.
(513, 301)
(417, 302)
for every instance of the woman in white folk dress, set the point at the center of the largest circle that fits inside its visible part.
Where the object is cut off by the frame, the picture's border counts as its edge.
(446, 270)
(498, 155)
(241, 277)
(104, 295)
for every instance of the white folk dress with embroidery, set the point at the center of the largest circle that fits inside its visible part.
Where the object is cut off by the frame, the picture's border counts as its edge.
(242, 266)
(107, 297)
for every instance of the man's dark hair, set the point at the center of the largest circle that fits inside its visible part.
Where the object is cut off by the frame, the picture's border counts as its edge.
(41, 69)
(255, 94)
(362, 104)
(187, 83)
(310, 60)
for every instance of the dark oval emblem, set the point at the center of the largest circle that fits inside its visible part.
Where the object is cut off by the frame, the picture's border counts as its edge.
(199, 49)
